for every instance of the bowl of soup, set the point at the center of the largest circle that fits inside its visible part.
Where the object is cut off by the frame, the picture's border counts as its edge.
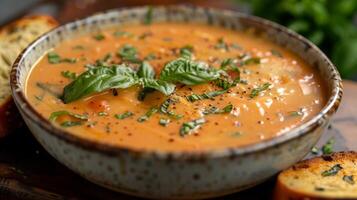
(175, 102)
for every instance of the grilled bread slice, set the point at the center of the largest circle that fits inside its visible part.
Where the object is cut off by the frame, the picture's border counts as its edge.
(13, 39)
(328, 177)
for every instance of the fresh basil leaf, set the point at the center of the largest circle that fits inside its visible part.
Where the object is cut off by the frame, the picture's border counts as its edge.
(162, 86)
(188, 127)
(207, 95)
(146, 71)
(188, 72)
(99, 79)
(186, 52)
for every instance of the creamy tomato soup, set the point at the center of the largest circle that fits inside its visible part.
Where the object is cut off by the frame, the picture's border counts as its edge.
(222, 88)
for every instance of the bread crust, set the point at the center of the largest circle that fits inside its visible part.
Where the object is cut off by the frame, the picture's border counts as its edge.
(301, 172)
(10, 118)
(7, 29)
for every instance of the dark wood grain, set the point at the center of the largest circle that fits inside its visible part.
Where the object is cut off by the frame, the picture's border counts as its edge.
(27, 171)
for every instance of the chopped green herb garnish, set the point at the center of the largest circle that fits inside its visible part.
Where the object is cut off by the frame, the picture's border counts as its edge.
(276, 53)
(124, 115)
(150, 56)
(164, 109)
(50, 88)
(78, 47)
(235, 46)
(92, 123)
(215, 110)
(348, 179)
(128, 53)
(122, 34)
(148, 114)
(226, 62)
(145, 35)
(207, 95)
(145, 91)
(236, 134)
(188, 127)
(54, 58)
(99, 37)
(102, 114)
(107, 57)
(164, 122)
(296, 113)
(256, 91)
(148, 16)
(69, 60)
(332, 171)
(328, 147)
(250, 61)
(69, 75)
(221, 44)
(315, 150)
(70, 123)
(226, 83)
(319, 189)
(39, 98)
(186, 52)
(57, 114)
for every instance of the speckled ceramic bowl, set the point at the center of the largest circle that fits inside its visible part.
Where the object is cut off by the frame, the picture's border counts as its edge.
(178, 175)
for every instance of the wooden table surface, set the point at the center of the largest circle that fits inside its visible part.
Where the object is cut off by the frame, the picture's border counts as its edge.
(27, 171)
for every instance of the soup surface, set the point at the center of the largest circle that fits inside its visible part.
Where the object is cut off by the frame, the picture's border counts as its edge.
(270, 90)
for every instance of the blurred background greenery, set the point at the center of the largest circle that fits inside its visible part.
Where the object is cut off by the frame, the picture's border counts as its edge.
(330, 24)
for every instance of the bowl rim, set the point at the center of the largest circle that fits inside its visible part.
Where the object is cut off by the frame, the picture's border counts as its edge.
(30, 113)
